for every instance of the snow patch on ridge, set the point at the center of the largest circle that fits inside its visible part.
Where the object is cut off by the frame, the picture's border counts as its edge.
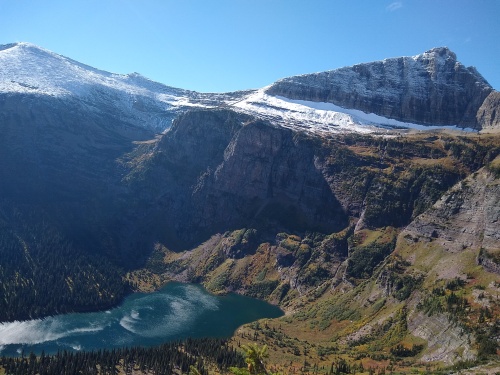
(371, 118)
(297, 114)
(26, 68)
(320, 117)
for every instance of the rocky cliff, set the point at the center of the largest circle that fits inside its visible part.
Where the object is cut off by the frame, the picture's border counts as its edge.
(368, 284)
(218, 170)
(488, 115)
(455, 244)
(464, 219)
(432, 88)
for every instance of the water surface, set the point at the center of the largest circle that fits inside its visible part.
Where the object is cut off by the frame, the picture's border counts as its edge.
(176, 311)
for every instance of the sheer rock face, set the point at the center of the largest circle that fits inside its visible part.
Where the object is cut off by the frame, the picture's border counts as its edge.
(488, 115)
(218, 170)
(270, 174)
(432, 88)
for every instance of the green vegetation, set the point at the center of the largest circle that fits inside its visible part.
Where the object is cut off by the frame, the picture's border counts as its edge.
(402, 283)
(255, 356)
(494, 257)
(262, 289)
(494, 167)
(41, 273)
(402, 351)
(447, 301)
(162, 360)
(365, 257)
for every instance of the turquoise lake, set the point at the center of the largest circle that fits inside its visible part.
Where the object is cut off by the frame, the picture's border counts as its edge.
(176, 311)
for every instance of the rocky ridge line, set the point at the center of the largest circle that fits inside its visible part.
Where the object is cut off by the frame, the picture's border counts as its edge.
(432, 88)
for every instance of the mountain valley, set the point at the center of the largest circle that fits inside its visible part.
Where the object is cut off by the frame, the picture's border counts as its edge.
(363, 201)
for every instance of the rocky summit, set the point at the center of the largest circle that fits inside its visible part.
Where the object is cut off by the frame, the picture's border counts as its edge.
(363, 201)
(432, 88)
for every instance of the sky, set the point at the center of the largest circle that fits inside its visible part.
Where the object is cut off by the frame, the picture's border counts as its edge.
(228, 45)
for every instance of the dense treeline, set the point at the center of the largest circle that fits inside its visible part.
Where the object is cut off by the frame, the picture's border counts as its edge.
(41, 273)
(176, 357)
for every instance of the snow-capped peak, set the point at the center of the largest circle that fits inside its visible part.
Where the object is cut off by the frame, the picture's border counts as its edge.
(28, 69)
(437, 53)
(432, 88)
(388, 93)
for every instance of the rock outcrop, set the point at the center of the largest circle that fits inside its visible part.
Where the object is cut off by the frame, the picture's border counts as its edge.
(488, 115)
(467, 217)
(432, 88)
(446, 342)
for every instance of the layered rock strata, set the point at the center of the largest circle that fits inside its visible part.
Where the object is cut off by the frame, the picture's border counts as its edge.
(432, 88)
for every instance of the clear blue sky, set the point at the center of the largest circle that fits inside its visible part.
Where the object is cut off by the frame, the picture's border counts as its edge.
(225, 45)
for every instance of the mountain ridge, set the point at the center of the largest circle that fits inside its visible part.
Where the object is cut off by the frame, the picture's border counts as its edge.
(455, 94)
(404, 88)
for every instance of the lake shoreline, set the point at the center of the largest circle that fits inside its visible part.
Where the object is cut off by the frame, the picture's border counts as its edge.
(176, 311)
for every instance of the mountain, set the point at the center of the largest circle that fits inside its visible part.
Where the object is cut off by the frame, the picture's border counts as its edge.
(432, 89)
(29, 70)
(380, 244)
